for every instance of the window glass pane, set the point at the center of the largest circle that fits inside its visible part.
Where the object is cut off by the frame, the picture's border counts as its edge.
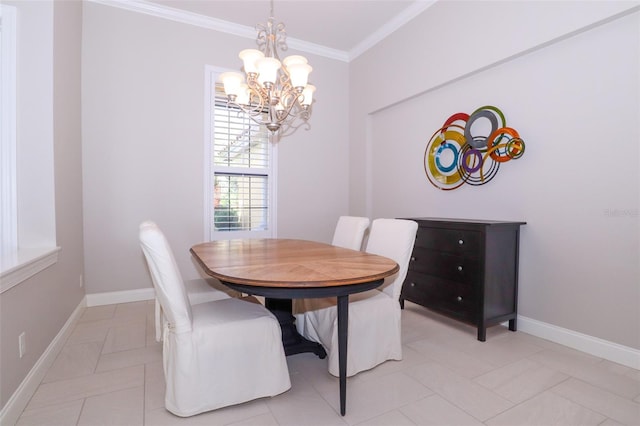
(240, 202)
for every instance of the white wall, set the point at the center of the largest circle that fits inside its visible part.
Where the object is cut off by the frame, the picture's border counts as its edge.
(40, 305)
(143, 143)
(575, 101)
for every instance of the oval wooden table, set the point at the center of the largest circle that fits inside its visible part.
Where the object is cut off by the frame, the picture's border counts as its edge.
(290, 269)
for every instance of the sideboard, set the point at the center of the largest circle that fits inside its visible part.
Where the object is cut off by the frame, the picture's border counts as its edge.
(466, 269)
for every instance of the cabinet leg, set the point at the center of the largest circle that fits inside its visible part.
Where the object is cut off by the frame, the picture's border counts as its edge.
(482, 334)
(513, 324)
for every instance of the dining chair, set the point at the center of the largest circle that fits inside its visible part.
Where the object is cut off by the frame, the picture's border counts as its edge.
(374, 328)
(216, 353)
(199, 290)
(350, 231)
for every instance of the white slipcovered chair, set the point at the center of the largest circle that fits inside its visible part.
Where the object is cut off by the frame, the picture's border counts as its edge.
(349, 232)
(215, 354)
(199, 291)
(374, 330)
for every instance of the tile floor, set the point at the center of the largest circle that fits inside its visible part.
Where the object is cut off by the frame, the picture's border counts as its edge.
(110, 373)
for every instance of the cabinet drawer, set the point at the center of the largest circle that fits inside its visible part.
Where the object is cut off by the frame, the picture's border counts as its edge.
(450, 297)
(449, 240)
(449, 266)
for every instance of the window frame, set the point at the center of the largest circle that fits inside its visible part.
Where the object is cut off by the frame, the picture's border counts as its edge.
(27, 30)
(8, 159)
(210, 234)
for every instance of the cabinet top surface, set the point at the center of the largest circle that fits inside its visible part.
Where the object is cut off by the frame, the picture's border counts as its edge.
(483, 222)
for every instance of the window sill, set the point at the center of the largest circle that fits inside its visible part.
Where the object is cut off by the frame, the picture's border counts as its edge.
(25, 263)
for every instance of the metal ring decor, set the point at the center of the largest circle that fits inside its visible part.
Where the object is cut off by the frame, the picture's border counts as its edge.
(479, 141)
(454, 156)
(486, 168)
(477, 162)
(437, 177)
(446, 145)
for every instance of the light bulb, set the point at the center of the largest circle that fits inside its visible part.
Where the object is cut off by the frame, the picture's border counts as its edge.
(307, 95)
(250, 59)
(243, 95)
(268, 70)
(299, 74)
(232, 82)
(293, 59)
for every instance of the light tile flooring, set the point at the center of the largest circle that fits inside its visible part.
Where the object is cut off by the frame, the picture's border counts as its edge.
(110, 373)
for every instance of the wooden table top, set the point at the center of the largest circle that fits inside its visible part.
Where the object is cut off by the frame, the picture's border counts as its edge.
(289, 263)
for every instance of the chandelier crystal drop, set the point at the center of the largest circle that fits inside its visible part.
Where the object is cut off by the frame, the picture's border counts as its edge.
(272, 92)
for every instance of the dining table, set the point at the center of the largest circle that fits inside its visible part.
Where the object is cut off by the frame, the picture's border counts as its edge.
(282, 269)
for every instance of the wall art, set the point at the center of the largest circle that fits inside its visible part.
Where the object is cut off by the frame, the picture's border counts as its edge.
(455, 155)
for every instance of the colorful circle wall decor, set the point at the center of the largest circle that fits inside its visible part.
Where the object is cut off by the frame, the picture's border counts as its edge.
(456, 155)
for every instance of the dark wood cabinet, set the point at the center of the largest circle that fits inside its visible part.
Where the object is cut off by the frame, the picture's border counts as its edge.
(466, 269)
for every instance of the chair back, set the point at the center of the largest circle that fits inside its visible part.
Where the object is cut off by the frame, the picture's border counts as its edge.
(350, 232)
(170, 289)
(393, 238)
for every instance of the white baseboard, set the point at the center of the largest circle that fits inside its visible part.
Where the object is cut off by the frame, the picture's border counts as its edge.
(20, 398)
(113, 297)
(592, 345)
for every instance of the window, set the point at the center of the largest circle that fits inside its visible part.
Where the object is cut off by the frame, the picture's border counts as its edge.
(27, 196)
(240, 176)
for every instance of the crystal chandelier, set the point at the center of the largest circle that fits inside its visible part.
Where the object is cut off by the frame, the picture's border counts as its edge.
(275, 93)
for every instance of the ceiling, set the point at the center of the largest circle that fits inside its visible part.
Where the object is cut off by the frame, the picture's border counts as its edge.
(344, 25)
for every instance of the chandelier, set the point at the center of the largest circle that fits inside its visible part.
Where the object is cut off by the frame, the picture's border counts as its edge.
(276, 93)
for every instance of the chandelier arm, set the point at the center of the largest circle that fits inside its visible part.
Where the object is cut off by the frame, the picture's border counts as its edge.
(256, 87)
(282, 116)
(252, 114)
(289, 129)
(251, 110)
(256, 107)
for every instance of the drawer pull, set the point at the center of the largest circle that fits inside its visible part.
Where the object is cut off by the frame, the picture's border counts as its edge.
(413, 258)
(459, 298)
(412, 284)
(460, 242)
(459, 268)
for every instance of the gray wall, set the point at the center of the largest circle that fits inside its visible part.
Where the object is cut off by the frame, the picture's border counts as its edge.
(41, 305)
(143, 143)
(571, 89)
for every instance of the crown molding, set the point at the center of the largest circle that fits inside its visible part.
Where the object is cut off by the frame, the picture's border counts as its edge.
(415, 9)
(190, 18)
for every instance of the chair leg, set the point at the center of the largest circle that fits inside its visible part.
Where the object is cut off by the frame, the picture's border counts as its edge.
(251, 299)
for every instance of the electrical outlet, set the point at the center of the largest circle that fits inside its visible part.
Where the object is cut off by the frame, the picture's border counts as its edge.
(22, 344)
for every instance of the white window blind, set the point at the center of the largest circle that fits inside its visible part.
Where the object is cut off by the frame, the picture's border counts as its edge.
(242, 173)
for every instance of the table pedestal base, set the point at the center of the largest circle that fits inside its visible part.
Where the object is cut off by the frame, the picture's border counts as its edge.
(292, 341)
